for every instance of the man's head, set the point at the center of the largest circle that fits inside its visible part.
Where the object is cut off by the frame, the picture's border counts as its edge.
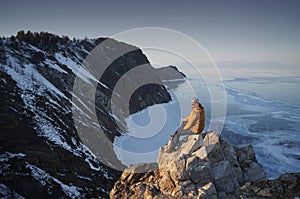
(195, 100)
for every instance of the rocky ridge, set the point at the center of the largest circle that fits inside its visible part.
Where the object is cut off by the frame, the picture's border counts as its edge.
(41, 152)
(170, 73)
(204, 168)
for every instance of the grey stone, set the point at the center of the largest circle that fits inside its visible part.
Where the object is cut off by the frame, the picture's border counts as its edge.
(221, 169)
(256, 173)
(177, 170)
(207, 191)
(198, 170)
(227, 185)
(213, 147)
(185, 183)
(224, 177)
(265, 193)
(245, 156)
(230, 155)
(189, 188)
(222, 194)
(214, 153)
(201, 153)
(192, 143)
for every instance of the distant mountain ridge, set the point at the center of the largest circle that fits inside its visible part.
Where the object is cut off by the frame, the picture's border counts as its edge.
(41, 153)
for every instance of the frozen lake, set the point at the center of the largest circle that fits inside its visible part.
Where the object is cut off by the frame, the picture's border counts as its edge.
(262, 110)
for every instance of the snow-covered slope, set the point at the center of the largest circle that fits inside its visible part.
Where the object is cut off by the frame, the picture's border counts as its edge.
(41, 154)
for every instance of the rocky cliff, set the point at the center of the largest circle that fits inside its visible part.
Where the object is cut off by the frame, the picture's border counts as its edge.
(170, 73)
(41, 152)
(204, 168)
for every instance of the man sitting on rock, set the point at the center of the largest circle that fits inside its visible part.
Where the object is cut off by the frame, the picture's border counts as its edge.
(194, 123)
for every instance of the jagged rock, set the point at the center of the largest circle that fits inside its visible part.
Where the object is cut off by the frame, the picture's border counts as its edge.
(170, 73)
(290, 181)
(135, 172)
(202, 173)
(224, 177)
(177, 192)
(185, 183)
(208, 191)
(222, 194)
(265, 193)
(166, 183)
(178, 171)
(198, 170)
(245, 156)
(189, 188)
(201, 153)
(253, 171)
(286, 186)
(231, 155)
(190, 144)
(213, 147)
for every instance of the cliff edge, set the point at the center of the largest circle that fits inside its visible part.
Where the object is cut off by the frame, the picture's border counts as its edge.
(208, 167)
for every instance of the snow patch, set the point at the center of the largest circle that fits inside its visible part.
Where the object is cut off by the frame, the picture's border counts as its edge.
(7, 155)
(76, 68)
(45, 178)
(53, 65)
(84, 178)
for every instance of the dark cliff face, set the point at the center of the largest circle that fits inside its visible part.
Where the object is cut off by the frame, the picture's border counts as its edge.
(170, 73)
(41, 153)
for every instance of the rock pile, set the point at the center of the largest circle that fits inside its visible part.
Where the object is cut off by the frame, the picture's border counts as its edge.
(208, 167)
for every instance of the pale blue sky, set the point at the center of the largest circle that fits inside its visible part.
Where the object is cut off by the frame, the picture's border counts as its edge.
(239, 31)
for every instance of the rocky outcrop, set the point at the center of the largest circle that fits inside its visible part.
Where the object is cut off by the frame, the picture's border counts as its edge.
(170, 73)
(286, 186)
(171, 76)
(201, 168)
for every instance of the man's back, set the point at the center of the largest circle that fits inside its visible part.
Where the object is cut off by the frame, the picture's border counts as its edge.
(196, 120)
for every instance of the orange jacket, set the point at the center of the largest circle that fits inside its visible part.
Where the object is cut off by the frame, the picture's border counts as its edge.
(195, 121)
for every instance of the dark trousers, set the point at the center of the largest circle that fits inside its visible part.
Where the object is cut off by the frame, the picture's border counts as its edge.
(180, 132)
